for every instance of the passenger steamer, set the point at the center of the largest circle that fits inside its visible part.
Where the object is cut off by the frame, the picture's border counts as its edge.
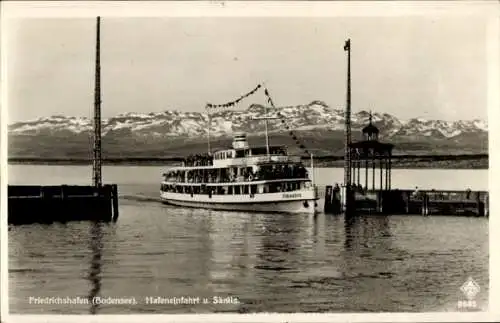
(242, 178)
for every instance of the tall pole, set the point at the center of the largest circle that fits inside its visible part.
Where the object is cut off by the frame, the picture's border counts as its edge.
(97, 160)
(267, 132)
(347, 155)
(266, 118)
(312, 170)
(209, 125)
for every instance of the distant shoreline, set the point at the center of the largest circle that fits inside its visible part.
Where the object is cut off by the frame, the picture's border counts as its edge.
(476, 161)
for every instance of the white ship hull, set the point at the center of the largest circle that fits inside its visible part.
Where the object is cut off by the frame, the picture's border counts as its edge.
(289, 202)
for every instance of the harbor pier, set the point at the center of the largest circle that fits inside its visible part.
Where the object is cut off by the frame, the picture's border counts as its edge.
(62, 203)
(368, 188)
(367, 179)
(401, 202)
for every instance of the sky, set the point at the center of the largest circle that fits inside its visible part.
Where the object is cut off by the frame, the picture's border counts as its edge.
(420, 66)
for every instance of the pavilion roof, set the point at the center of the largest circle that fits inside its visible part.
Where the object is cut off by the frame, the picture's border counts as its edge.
(377, 145)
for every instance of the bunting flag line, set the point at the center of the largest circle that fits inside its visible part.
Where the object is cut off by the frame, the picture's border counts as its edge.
(232, 103)
(283, 121)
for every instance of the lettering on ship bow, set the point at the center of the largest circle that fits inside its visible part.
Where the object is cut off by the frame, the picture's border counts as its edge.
(292, 195)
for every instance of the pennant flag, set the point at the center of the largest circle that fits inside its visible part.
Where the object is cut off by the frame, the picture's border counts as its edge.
(347, 45)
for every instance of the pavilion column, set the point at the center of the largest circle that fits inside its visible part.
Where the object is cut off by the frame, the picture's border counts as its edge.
(373, 173)
(359, 172)
(353, 173)
(390, 169)
(381, 164)
(386, 173)
(366, 174)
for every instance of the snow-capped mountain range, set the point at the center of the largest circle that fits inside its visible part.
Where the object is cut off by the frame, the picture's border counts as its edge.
(310, 117)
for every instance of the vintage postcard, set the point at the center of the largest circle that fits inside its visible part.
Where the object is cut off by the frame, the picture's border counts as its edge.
(249, 161)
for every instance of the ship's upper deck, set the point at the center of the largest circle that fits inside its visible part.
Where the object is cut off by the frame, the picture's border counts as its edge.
(240, 155)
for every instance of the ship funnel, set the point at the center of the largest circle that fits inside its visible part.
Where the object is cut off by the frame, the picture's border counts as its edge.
(240, 141)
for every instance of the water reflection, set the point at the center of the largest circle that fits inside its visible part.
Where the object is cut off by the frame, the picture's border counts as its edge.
(316, 225)
(279, 241)
(271, 262)
(203, 246)
(95, 240)
(349, 232)
(367, 232)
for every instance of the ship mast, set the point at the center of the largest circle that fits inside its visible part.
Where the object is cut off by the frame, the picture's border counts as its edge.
(97, 157)
(267, 130)
(347, 155)
(266, 118)
(208, 129)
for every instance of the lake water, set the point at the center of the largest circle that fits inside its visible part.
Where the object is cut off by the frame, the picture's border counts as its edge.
(265, 262)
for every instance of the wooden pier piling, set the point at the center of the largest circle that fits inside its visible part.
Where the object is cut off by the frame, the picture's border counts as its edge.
(333, 200)
(114, 197)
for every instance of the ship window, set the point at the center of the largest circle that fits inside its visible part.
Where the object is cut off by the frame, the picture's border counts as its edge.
(245, 189)
(240, 153)
(237, 190)
(253, 189)
(259, 151)
(230, 190)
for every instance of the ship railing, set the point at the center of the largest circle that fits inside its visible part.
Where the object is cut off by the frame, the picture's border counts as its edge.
(238, 180)
(258, 160)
